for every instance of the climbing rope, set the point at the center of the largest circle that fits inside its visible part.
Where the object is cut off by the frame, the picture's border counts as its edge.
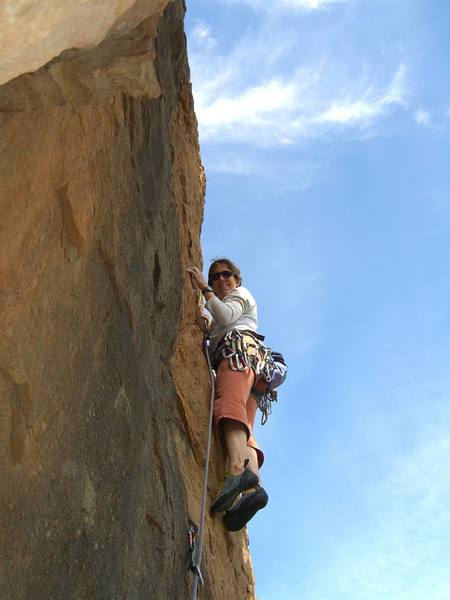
(195, 566)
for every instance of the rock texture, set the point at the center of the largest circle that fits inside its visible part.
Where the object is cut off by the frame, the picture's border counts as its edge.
(33, 33)
(103, 388)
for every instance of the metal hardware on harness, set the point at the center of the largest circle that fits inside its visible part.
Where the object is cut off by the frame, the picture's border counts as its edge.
(265, 400)
(243, 349)
(193, 565)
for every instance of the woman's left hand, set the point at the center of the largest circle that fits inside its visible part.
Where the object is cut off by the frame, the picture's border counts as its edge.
(197, 276)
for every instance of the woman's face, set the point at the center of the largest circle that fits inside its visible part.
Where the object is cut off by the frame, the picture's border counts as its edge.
(223, 285)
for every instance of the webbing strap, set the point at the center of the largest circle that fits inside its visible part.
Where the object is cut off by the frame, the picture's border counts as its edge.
(197, 573)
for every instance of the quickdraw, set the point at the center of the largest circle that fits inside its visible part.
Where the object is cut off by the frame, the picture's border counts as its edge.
(193, 558)
(265, 400)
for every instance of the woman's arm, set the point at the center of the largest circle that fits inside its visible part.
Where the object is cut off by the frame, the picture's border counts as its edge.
(228, 310)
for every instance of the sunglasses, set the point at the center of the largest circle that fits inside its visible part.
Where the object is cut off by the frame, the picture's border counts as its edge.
(216, 276)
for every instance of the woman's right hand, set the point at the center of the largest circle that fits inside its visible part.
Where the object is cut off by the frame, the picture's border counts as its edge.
(197, 277)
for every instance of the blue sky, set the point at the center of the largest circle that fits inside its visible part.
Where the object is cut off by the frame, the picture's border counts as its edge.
(325, 134)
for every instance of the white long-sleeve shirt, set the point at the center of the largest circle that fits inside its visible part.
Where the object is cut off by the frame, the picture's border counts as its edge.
(237, 310)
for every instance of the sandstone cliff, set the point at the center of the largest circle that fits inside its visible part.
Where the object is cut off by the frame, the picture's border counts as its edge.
(103, 386)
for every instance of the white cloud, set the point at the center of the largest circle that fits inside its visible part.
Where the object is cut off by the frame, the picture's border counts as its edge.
(235, 165)
(201, 35)
(310, 4)
(273, 87)
(372, 103)
(248, 94)
(422, 117)
(240, 98)
(254, 106)
(299, 175)
(288, 4)
(348, 113)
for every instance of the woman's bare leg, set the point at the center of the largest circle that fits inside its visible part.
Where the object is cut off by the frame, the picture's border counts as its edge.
(235, 441)
(252, 460)
(235, 438)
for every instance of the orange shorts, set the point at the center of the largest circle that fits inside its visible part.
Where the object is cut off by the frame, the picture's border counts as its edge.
(234, 401)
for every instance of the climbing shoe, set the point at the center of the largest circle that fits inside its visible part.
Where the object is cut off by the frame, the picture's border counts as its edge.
(245, 509)
(233, 485)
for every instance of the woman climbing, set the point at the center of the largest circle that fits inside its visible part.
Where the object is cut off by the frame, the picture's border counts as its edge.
(237, 360)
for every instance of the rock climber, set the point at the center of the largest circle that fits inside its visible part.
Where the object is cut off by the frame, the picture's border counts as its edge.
(233, 337)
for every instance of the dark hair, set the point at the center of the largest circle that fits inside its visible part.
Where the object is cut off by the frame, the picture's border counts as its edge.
(226, 261)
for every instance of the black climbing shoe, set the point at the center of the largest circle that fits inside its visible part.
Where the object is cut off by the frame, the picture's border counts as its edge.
(245, 508)
(233, 485)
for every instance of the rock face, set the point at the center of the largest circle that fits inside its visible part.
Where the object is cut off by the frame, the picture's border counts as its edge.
(104, 391)
(33, 33)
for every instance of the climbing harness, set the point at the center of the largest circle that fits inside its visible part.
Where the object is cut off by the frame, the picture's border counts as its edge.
(245, 349)
(196, 557)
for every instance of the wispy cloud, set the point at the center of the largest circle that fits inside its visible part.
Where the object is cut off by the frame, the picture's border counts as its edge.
(403, 554)
(251, 111)
(400, 547)
(372, 102)
(231, 164)
(422, 116)
(300, 173)
(288, 4)
(311, 4)
(201, 36)
(283, 108)
(267, 90)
